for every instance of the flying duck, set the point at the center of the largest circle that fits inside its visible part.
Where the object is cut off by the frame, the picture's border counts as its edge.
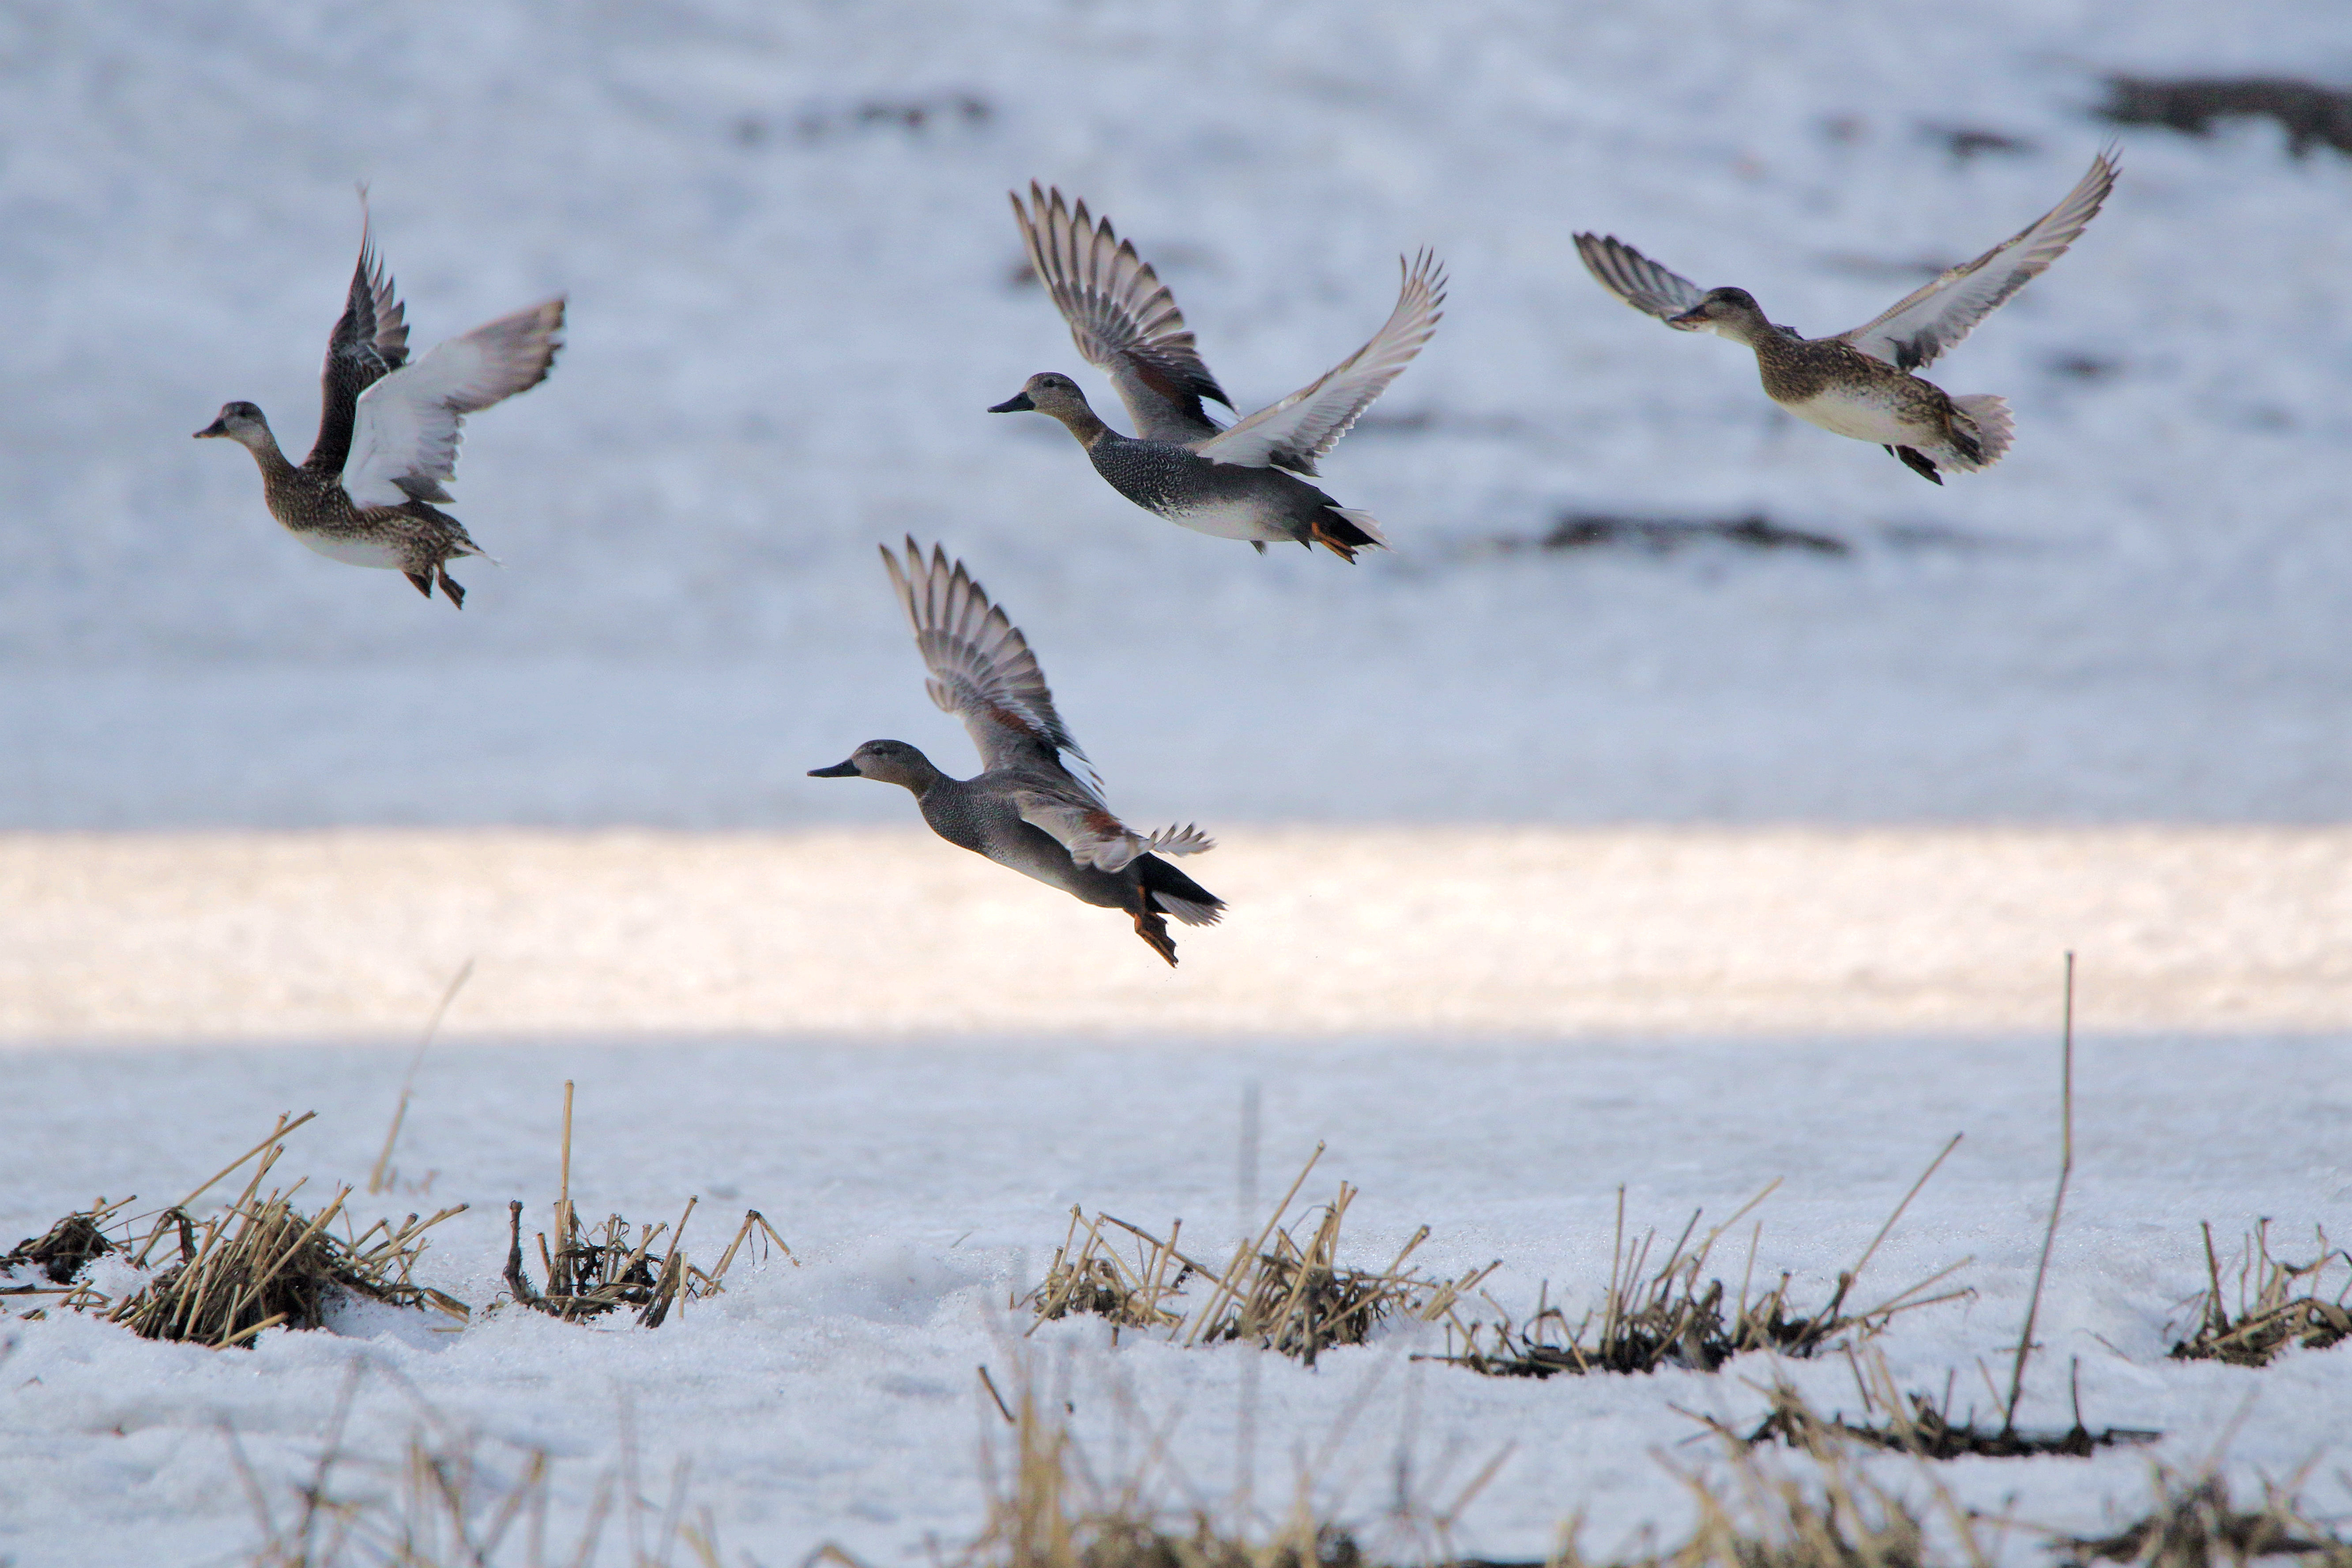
(1025, 809)
(388, 430)
(1860, 383)
(1181, 465)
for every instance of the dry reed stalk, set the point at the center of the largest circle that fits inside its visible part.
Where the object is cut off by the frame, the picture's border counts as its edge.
(1044, 1511)
(591, 1272)
(2193, 1524)
(459, 1499)
(258, 1264)
(1650, 1317)
(1287, 1294)
(2279, 1304)
(1914, 1422)
(1091, 1276)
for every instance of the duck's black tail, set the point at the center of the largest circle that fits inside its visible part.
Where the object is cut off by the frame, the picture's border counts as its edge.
(1176, 893)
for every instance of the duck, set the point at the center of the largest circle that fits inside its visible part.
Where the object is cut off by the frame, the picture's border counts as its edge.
(1025, 809)
(388, 430)
(1861, 383)
(1240, 481)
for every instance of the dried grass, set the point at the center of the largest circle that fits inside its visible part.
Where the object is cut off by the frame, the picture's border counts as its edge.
(259, 1264)
(457, 1498)
(2194, 1524)
(592, 1271)
(1286, 1291)
(1662, 1315)
(1909, 1422)
(2279, 1304)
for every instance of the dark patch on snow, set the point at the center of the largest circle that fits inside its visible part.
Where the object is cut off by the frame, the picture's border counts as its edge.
(2309, 114)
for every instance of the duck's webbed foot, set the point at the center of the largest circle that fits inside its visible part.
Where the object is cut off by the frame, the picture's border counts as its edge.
(1153, 927)
(424, 581)
(1918, 462)
(1345, 549)
(449, 586)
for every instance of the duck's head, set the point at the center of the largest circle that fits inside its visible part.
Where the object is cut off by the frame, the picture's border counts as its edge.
(241, 423)
(1730, 312)
(1049, 391)
(885, 761)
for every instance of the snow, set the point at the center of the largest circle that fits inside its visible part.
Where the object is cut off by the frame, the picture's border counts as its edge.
(789, 309)
(789, 306)
(920, 1185)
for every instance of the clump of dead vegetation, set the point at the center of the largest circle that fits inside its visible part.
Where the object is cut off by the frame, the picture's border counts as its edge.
(1286, 1291)
(2193, 1523)
(1921, 1424)
(452, 1498)
(2310, 114)
(1670, 1313)
(1828, 1514)
(592, 1271)
(2279, 1304)
(261, 1263)
(1911, 1422)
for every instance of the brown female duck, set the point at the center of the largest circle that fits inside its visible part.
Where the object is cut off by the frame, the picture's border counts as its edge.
(388, 429)
(1859, 382)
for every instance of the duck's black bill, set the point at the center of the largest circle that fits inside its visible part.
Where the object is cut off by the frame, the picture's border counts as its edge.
(1692, 320)
(1017, 404)
(848, 770)
(217, 427)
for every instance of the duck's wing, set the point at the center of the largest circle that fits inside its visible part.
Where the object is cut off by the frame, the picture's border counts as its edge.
(1121, 316)
(1292, 433)
(1094, 836)
(982, 672)
(1635, 278)
(1924, 323)
(369, 342)
(404, 439)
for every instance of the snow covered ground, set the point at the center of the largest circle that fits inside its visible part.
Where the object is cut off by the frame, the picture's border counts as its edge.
(791, 301)
(919, 1183)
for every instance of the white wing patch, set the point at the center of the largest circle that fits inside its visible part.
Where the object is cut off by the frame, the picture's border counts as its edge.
(1095, 837)
(404, 439)
(1292, 433)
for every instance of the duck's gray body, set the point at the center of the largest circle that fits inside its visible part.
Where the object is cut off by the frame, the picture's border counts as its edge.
(1178, 465)
(978, 814)
(1261, 505)
(1026, 811)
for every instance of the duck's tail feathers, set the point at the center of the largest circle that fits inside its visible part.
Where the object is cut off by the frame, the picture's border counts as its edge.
(1186, 840)
(1168, 888)
(1986, 417)
(1343, 530)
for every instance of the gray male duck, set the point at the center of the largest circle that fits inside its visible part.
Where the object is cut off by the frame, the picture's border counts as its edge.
(388, 431)
(1180, 464)
(1025, 809)
(1859, 382)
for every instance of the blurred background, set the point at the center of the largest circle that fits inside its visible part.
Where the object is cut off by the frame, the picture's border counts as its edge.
(794, 286)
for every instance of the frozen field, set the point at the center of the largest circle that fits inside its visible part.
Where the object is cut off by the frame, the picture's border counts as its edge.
(919, 1183)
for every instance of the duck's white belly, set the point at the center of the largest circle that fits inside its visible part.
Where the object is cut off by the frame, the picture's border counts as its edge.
(1225, 519)
(1861, 414)
(355, 551)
